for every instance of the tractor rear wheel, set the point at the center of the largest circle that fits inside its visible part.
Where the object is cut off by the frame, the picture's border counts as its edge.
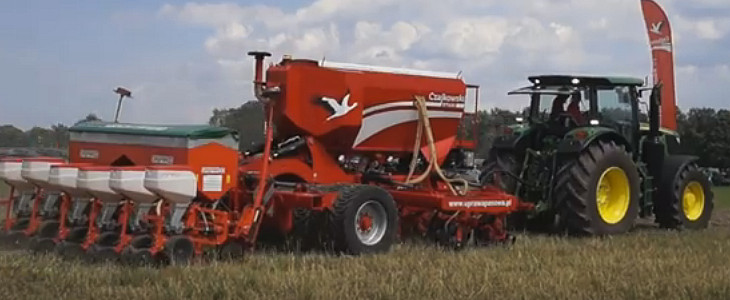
(496, 167)
(597, 193)
(364, 219)
(686, 200)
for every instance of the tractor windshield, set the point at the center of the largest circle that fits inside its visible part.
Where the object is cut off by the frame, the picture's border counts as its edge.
(552, 102)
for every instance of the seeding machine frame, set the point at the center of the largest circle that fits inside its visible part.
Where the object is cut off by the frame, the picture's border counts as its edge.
(353, 199)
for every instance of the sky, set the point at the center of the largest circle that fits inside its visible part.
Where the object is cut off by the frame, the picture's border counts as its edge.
(60, 60)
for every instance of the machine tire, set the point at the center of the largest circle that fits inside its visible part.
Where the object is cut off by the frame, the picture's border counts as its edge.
(43, 245)
(577, 187)
(108, 239)
(103, 254)
(20, 224)
(179, 250)
(231, 250)
(673, 213)
(43, 242)
(351, 202)
(71, 251)
(141, 241)
(77, 234)
(16, 240)
(138, 257)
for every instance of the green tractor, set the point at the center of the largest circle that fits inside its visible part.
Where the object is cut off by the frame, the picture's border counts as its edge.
(586, 157)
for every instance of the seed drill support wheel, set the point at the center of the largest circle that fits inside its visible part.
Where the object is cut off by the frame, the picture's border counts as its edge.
(363, 220)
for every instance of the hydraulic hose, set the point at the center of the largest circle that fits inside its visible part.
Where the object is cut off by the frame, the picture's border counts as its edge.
(424, 125)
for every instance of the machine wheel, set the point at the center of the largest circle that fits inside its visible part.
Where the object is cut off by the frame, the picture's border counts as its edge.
(103, 249)
(231, 250)
(70, 250)
(363, 220)
(108, 239)
(598, 193)
(43, 242)
(16, 240)
(101, 254)
(137, 257)
(445, 235)
(41, 245)
(688, 200)
(77, 234)
(141, 241)
(20, 224)
(179, 250)
(48, 229)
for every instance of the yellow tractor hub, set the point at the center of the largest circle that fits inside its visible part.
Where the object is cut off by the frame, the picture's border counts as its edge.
(693, 200)
(613, 195)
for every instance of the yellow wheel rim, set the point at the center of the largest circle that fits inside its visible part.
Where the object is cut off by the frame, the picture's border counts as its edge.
(613, 195)
(693, 200)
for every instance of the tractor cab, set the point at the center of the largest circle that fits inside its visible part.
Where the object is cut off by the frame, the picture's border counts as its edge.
(561, 104)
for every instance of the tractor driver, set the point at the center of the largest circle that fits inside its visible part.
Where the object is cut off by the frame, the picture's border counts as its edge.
(572, 115)
(558, 109)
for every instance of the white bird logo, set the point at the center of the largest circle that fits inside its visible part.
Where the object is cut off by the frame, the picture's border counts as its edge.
(338, 109)
(657, 27)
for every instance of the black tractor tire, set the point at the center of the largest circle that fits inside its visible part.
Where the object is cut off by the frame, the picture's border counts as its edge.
(495, 168)
(357, 199)
(578, 182)
(494, 171)
(670, 211)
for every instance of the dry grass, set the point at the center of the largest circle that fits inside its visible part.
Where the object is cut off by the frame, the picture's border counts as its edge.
(646, 264)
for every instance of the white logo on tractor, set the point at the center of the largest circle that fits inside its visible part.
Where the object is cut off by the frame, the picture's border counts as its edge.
(339, 109)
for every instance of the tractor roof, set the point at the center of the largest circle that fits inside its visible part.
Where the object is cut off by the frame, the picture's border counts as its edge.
(585, 80)
(187, 131)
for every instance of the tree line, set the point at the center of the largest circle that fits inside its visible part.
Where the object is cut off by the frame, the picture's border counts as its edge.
(703, 131)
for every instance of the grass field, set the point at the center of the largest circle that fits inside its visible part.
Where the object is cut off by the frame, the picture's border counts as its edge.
(646, 264)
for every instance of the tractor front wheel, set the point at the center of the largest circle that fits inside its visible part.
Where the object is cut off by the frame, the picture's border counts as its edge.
(686, 200)
(597, 193)
(364, 220)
